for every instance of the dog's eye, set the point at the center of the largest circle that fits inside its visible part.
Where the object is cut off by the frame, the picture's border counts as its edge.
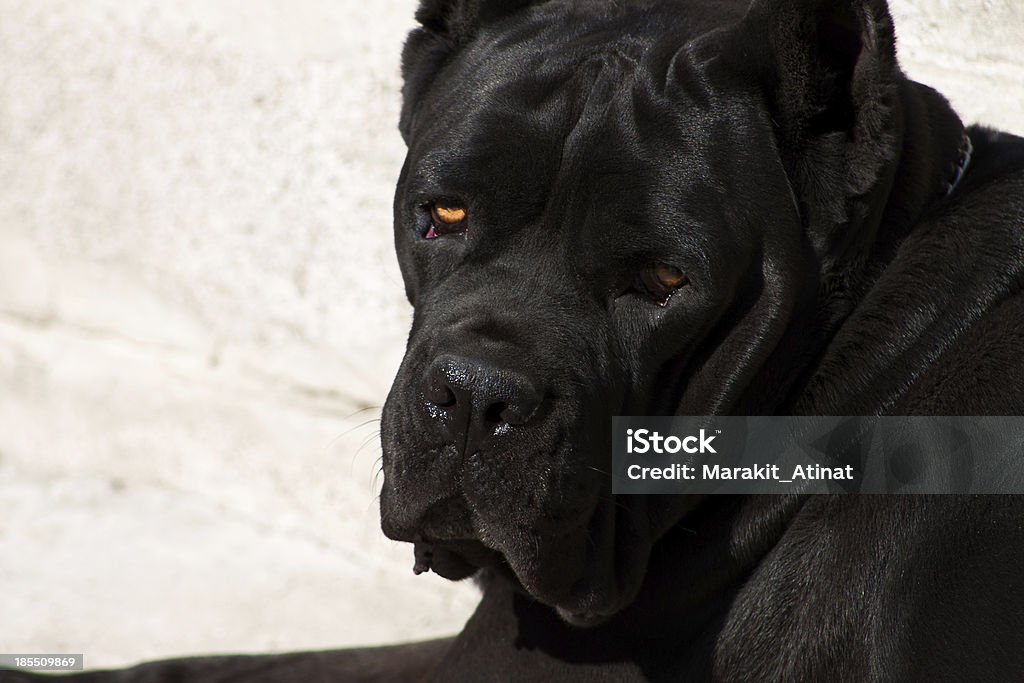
(446, 219)
(660, 280)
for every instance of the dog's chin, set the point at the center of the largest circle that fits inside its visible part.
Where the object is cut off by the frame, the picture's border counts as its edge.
(591, 601)
(580, 575)
(571, 573)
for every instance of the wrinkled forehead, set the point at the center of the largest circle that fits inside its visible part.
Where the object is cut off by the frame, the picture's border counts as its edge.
(495, 119)
(574, 110)
(533, 73)
(582, 121)
(590, 131)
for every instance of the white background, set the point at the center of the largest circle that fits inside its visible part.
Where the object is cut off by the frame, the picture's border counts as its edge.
(200, 315)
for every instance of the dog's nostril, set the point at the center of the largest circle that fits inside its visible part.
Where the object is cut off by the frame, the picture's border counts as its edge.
(441, 395)
(508, 415)
(495, 412)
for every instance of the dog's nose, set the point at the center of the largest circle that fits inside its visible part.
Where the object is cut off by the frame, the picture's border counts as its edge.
(475, 399)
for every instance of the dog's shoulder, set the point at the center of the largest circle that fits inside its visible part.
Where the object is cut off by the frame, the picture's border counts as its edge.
(941, 329)
(980, 366)
(921, 564)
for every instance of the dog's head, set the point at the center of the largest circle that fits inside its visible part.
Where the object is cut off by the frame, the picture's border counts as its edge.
(609, 208)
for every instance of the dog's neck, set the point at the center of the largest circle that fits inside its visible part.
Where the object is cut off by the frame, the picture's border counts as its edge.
(932, 154)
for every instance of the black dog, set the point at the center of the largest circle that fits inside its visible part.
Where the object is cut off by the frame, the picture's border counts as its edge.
(639, 207)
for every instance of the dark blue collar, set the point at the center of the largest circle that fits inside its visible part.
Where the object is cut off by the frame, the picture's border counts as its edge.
(960, 167)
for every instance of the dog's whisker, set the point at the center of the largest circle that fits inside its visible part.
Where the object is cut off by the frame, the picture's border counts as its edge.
(348, 431)
(374, 480)
(355, 455)
(372, 438)
(378, 465)
(362, 410)
(374, 502)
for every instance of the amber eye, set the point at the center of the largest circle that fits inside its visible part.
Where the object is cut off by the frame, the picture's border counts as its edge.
(661, 280)
(446, 219)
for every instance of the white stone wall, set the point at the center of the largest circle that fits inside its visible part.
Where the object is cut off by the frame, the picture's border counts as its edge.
(200, 315)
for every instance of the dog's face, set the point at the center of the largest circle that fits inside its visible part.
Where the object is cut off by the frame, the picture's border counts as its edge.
(594, 219)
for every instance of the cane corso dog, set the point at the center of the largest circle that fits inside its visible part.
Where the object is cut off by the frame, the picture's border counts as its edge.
(646, 207)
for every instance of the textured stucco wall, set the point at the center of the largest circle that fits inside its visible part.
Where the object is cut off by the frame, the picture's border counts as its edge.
(200, 315)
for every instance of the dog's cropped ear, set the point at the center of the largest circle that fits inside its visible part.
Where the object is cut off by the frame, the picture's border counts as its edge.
(829, 73)
(445, 27)
(458, 20)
